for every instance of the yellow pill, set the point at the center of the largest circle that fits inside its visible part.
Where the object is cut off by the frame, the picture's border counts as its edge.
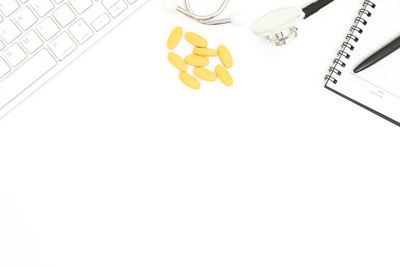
(196, 39)
(177, 62)
(174, 38)
(205, 74)
(205, 52)
(225, 56)
(197, 61)
(189, 80)
(224, 75)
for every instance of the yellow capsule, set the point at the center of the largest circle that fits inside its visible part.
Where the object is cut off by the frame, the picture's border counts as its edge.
(225, 56)
(205, 74)
(174, 38)
(205, 52)
(177, 62)
(189, 80)
(197, 61)
(196, 39)
(224, 75)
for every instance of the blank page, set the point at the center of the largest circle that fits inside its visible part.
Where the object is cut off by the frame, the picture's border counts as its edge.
(377, 88)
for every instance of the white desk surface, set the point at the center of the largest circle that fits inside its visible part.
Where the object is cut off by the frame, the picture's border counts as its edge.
(115, 163)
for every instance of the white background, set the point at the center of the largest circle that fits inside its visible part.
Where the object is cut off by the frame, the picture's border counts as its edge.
(116, 163)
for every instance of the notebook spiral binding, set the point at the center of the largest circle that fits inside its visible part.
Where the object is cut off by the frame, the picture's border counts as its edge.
(351, 39)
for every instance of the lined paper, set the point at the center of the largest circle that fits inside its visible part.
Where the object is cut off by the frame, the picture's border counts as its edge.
(379, 86)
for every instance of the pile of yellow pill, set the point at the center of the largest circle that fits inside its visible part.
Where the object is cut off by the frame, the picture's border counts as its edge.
(199, 60)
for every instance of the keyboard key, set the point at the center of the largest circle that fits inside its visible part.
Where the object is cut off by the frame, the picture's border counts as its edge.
(42, 7)
(81, 31)
(4, 68)
(26, 75)
(25, 18)
(62, 46)
(81, 5)
(9, 31)
(31, 42)
(15, 55)
(101, 22)
(2, 45)
(64, 15)
(109, 3)
(7, 7)
(48, 28)
(131, 2)
(118, 8)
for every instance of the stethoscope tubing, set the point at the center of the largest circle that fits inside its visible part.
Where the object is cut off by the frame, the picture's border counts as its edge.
(314, 7)
(205, 19)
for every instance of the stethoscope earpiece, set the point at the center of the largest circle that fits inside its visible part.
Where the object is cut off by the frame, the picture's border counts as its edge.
(169, 5)
(238, 19)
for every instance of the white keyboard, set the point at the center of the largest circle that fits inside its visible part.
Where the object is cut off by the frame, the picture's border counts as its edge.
(38, 38)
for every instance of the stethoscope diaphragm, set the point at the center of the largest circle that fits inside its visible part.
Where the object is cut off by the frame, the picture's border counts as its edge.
(279, 26)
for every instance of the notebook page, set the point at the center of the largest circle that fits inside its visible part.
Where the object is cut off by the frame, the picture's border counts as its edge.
(379, 86)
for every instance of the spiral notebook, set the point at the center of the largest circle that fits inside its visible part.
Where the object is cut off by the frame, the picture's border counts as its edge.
(376, 89)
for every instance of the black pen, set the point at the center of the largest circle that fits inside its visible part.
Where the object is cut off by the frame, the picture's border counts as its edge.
(379, 55)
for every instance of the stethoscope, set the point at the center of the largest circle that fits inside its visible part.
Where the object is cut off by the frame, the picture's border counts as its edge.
(278, 26)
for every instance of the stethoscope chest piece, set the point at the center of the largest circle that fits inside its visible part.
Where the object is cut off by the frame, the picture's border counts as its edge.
(278, 26)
